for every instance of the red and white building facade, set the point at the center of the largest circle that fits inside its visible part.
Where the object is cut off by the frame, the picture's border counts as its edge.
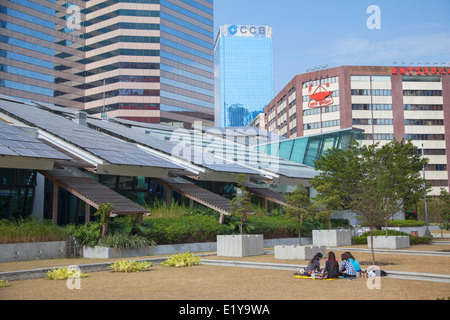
(387, 102)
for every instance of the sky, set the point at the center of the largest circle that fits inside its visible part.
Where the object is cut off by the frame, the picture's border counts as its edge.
(333, 33)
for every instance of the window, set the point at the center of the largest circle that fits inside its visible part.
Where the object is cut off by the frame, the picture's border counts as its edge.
(423, 107)
(423, 93)
(375, 92)
(423, 122)
(425, 136)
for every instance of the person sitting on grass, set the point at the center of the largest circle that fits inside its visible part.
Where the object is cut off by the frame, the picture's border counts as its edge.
(354, 262)
(332, 266)
(347, 266)
(313, 265)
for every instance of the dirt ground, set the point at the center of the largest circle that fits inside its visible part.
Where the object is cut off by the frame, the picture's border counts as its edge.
(232, 283)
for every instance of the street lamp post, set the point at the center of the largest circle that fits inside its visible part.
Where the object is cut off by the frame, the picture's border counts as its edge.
(427, 231)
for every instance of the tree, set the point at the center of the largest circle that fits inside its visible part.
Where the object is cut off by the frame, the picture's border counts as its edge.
(300, 207)
(327, 201)
(104, 211)
(438, 209)
(240, 204)
(372, 181)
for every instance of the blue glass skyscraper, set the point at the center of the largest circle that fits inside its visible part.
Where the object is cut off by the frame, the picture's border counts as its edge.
(243, 73)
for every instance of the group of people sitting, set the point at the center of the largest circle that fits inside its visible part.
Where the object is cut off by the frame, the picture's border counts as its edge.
(349, 267)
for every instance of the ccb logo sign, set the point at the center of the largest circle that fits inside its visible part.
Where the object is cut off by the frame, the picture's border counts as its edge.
(233, 30)
(243, 30)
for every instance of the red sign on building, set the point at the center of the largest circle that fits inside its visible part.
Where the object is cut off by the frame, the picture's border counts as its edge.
(420, 71)
(321, 97)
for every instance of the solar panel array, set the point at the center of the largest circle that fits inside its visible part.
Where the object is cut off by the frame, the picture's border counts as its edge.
(217, 149)
(176, 148)
(15, 142)
(112, 150)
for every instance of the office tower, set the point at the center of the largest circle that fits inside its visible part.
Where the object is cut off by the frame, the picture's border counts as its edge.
(41, 56)
(146, 60)
(407, 102)
(244, 73)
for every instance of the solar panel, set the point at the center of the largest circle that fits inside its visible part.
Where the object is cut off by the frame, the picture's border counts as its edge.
(14, 142)
(91, 140)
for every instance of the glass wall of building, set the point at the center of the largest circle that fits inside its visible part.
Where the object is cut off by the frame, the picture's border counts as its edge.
(40, 52)
(244, 74)
(306, 150)
(16, 193)
(187, 62)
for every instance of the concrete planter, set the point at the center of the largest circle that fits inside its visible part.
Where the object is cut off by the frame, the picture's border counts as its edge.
(332, 238)
(109, 253)
(390, 242)
(32, 251)
(298, 252)
(411, 230)
(240, 245)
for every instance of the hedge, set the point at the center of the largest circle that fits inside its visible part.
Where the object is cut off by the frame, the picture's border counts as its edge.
(412, 240)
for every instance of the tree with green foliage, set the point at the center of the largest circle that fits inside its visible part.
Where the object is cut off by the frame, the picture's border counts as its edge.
(300, 207)
(240, 205)
(372, 181)
(104, 211)
(438, 210)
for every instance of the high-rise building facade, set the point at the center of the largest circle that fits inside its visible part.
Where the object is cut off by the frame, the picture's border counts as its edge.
(243, 73)
(403, 102)
(146, 60)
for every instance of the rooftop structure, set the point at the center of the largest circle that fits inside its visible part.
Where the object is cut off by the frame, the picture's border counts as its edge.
(84, 153)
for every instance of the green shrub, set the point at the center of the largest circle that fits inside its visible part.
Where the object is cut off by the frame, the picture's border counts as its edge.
(130, 266)
(30, 230)
(406, 223)
(3, 283)
(181, 260)
(402, 223)
(87, 233)
(412, 240)
(124, 241)
(64, 273)
(182, 230)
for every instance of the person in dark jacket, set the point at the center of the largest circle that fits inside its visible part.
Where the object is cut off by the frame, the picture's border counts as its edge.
(332, 266)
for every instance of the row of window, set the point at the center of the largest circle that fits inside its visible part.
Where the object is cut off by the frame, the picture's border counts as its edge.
(122, 78)
(120, 65)
(137, 39)
(120, 92)
(373, 92)
(293, 131)
(424, 122)
(432, 152)
(425, 137)
(108, 3)
(408, 122)
(122, 52)
(436, 167)
(121, 12)
(324, 124)
(375, 122)
(381, 107)
(371, 78)
(422, 93)
(423, 107)
(316, 83)
(309, 112)
(378, 136)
